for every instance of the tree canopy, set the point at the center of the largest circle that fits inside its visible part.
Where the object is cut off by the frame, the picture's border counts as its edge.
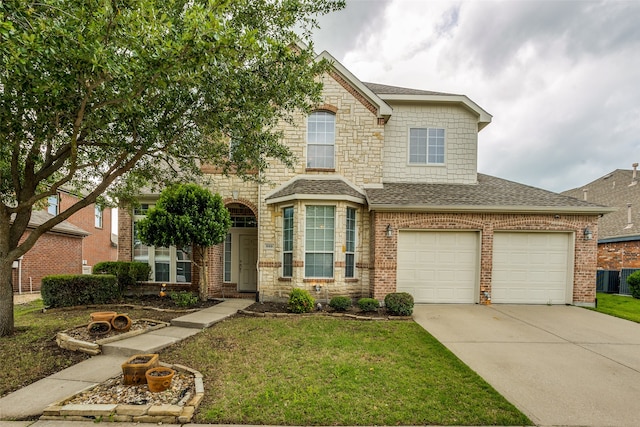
(105, 96)
(187, 216)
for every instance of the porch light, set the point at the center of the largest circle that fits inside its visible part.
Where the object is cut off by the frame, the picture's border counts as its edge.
(588, 234)
(389, 231)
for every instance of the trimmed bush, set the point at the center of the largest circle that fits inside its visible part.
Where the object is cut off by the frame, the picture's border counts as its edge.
(634, 284)
(128, 273)
(183, 298)
(300, 301)
(368, 304)
(399, 304)
(83, 289)
(340, 303)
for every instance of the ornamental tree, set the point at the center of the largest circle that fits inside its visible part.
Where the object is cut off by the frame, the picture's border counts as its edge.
(103, 97)
(187, 216)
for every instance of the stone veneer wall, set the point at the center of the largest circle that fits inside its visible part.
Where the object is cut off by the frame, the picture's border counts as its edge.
(461, 144)
(384, 263)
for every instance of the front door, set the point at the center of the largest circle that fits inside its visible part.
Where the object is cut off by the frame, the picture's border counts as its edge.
(247, 264)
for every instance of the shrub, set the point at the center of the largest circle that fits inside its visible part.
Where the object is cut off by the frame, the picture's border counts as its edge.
(183, 298)
(340, 303)
(368, 304)
(634, 284)
(300, 301)
(70, 290)
(128, 273)
(399, 304)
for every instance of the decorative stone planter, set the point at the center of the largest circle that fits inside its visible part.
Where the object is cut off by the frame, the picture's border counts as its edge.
(135, 368)
(159, 379)
(102, 316)
(121, 323)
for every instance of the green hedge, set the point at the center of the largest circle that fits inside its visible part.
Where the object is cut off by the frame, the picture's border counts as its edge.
(70, 290)
(128, 273)
(399, 303)
(340, 303)
(634, 284)
(300, 301)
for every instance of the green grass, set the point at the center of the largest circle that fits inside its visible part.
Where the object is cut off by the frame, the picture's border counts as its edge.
(625, 307)
(324, 371)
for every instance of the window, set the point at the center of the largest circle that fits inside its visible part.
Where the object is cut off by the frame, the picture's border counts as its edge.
(350, 258)
(98, 220)
(227, 258)
(320, 140)
(426, 146)
(318, 259)
(287, 242)
(167, 264)
(53, 205)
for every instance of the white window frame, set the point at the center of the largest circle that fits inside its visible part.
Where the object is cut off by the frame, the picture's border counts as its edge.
(431, 140)
(53, 205)
(318, 139)
(329, 251)
(98, 217)
(288, 251)
(348, 250)
(227, 267)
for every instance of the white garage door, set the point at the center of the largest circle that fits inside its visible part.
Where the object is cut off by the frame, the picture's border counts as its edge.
(532, 268)
(438, 266)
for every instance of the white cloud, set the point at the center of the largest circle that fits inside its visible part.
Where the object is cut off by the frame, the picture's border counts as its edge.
(560, 78)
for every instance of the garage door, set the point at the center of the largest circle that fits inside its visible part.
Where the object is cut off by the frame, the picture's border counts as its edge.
(438, 266)
(532, 268)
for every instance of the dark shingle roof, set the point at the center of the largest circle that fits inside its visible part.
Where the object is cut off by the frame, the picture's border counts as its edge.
(615, 189)
(489, 194)
(380, 89)
(329, 187)
(65, 227)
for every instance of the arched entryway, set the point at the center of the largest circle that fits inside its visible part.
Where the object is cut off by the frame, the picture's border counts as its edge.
(241, 249)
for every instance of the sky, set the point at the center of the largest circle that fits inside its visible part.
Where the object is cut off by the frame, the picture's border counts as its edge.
(560, 78)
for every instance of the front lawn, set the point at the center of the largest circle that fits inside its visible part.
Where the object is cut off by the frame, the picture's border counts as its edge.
(622, 306)
(326, 371)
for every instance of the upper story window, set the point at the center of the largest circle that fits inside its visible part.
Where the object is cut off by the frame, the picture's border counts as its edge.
(54, 204)
(98, 217)
(426, 146)
(321, 135)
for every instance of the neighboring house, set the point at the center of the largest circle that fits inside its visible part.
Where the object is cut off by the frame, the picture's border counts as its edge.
(58, 251)
(386, 197)
(99, 245)
(619, 231)
(72, 247)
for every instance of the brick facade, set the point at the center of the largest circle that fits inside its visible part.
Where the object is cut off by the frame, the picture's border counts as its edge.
(383, 277)
(52, 254)
(97, 246)
(619, 255)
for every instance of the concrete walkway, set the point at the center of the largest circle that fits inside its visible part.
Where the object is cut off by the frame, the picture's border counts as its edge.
(30, 401)
(560, 365)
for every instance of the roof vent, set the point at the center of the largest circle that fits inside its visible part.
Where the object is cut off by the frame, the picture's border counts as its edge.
(585, 191)
(629, 224)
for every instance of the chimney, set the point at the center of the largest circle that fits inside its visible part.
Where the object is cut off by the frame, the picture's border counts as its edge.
(635, 171)
(585, 191)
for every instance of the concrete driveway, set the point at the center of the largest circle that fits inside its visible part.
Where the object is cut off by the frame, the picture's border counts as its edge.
(560, 365)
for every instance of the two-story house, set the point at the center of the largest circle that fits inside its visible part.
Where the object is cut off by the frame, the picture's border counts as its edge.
(386, 197)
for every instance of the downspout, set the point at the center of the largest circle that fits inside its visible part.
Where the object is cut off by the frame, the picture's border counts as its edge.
(20, 275)
(259, 296)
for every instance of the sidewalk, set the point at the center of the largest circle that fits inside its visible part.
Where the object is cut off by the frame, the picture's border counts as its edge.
(30, 401)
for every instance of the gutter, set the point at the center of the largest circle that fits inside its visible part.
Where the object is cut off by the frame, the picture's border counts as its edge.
(596, 210)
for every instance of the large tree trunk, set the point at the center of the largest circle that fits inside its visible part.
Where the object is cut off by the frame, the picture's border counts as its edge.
(6, 297)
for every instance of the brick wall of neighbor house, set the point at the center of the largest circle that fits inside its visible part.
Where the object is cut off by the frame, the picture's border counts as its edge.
(383, 278)
(96, 247)
(52, 254)
(461, 137)
(619, 255)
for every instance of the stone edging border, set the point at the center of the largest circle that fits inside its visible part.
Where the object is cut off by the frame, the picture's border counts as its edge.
(68, 343)
(343, 315)
(158, 414)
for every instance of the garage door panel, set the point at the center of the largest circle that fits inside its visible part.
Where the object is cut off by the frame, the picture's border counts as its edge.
(438, 266)
(531, 267)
